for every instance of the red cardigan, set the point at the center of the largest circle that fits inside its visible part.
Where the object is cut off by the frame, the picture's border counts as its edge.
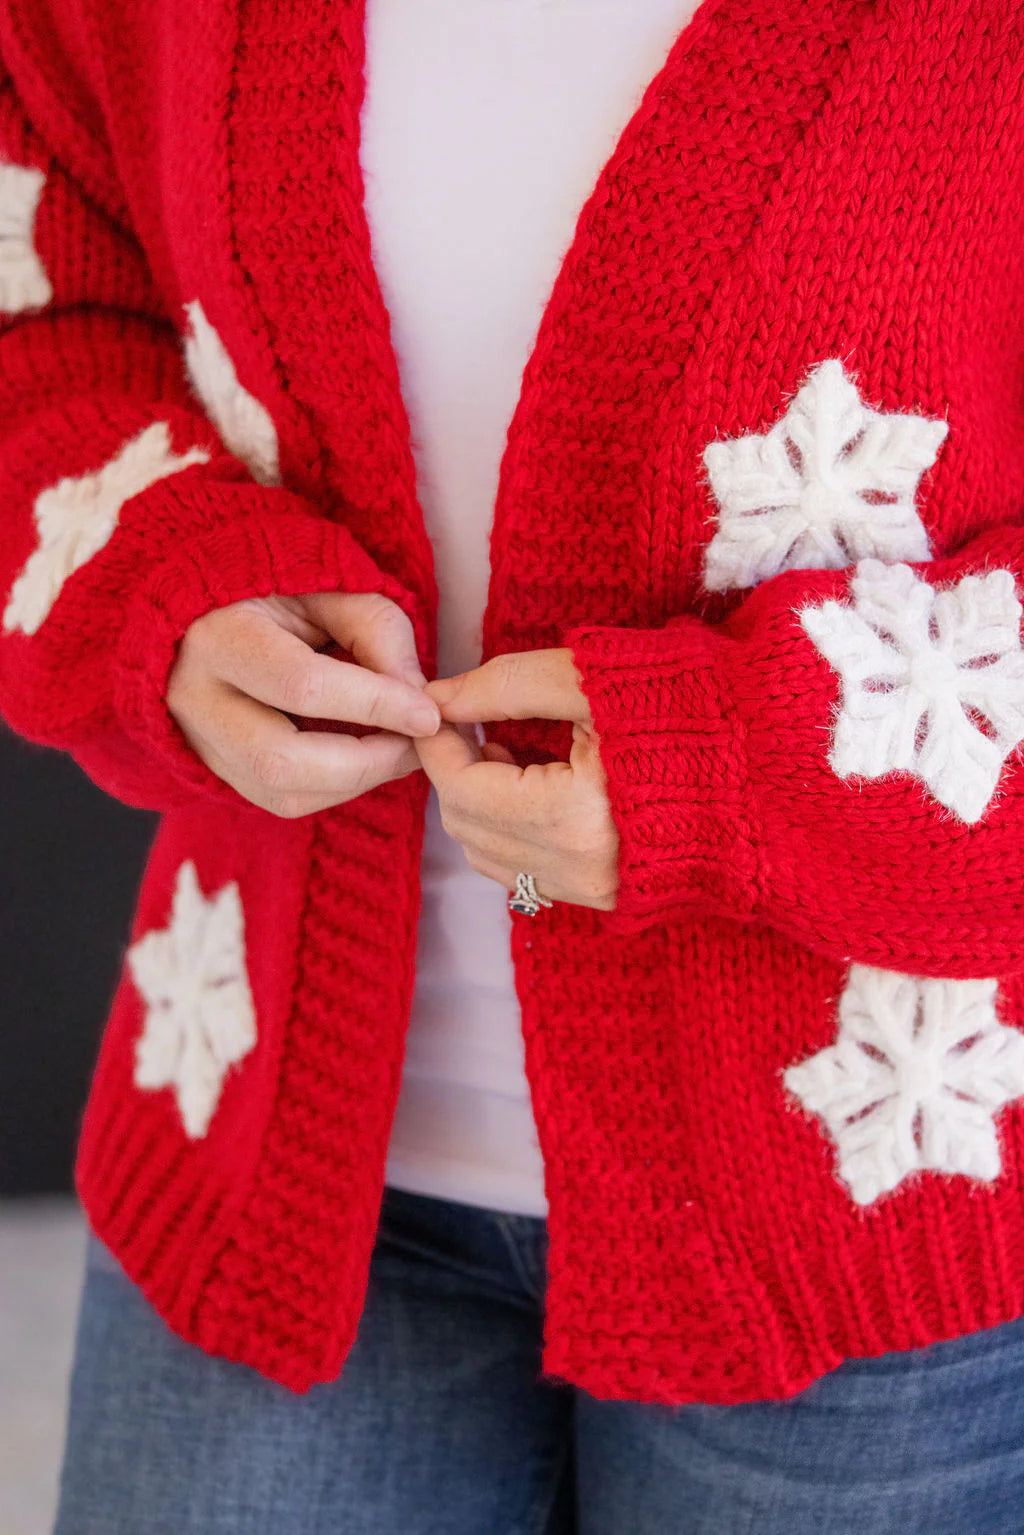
(766, 478)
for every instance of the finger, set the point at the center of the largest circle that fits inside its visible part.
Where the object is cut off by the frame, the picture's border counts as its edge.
(276, 668)
(504, 865)
(528, 684)
(585, 752)
(492, 752)
(273, 763)
(375, 629)
(502, 873)
(448, 752)
(480, 797)
(470, 786)
(523, 804)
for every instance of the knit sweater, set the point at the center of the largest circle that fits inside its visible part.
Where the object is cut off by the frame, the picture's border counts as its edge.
(765, 480)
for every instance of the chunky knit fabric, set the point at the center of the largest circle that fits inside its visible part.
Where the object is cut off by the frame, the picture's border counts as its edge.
(766, 479)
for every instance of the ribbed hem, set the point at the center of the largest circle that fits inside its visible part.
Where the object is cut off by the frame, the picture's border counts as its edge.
(285, 1294)
(743, 1326)
(674, 759)
(156, 1207)
(254, 1243)
(290, 1282)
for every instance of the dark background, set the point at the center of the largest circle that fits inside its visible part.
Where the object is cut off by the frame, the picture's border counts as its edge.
(71, 860)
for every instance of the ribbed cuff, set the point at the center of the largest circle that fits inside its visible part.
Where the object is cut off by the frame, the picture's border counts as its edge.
(253, 550)
(674, 758)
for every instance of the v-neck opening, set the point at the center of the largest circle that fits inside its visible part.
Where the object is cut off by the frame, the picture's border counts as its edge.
(325, 315)
(480, 142)
(322, 189)
(683, 42)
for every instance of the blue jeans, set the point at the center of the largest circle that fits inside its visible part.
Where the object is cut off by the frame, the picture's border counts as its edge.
(440, 1426)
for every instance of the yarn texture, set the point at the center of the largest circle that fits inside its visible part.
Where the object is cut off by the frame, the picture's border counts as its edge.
(195, 988)
(931, 1060)
(831, 482)
(765, 479)
(77, 516)
(23, 280)
(933, 681)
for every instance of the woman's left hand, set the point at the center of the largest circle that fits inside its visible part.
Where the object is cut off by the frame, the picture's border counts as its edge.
(551, 820)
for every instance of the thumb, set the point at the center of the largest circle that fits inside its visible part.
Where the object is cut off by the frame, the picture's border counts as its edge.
(521, 685)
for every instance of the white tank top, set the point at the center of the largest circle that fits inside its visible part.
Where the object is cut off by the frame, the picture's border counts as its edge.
(485, 126)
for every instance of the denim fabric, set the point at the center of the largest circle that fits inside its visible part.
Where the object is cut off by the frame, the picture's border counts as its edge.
(439, 1425)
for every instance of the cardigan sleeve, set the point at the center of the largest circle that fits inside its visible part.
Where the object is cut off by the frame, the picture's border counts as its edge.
(124, 518)
(840, 759)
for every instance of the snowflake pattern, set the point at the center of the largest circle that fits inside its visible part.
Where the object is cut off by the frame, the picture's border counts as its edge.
(245, 426)
(23, 280)
(913, 1082)
(832, 482)
(76, 517)
(932, 680)
(200, 1017)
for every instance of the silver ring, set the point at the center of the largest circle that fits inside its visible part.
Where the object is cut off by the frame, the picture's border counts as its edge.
(524, 897)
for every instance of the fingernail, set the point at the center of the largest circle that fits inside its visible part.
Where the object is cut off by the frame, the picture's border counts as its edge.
(424, 720)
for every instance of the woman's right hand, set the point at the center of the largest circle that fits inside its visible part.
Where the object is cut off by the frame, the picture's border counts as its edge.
(242, 669)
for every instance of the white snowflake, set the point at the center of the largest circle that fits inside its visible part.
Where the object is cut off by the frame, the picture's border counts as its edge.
(245, 426)
(76, 517)
(200, 1017)
(832, 482)
(932, 680)
(913, 1082)
(23, 280)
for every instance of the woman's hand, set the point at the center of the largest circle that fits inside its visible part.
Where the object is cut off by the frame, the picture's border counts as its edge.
(551, 820)
(242, 669)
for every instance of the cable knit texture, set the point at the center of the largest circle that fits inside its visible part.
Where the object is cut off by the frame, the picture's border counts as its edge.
(765, 478)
